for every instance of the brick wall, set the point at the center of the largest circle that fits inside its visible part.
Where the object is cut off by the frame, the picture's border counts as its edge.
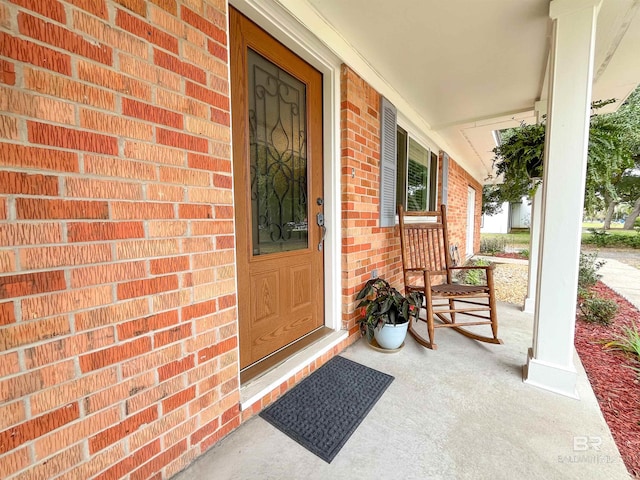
(118, 341)
(365, 246)
(459, 182)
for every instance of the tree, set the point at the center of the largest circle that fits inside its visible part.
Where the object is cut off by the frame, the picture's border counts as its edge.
(614, 146)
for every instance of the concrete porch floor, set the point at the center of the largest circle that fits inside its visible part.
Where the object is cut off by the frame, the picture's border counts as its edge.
(461, 412)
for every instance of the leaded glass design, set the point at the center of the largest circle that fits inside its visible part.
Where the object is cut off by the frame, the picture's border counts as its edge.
(278, 157)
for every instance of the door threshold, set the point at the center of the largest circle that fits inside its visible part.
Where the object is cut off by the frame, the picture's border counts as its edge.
(253, 390)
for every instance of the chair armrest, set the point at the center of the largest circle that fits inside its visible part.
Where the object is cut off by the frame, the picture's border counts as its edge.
(479, 267)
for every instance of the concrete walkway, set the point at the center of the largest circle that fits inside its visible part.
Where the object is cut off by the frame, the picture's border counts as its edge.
(623, 279)
(461, 412)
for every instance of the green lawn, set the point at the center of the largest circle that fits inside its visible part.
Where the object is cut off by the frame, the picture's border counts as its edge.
(614, 225)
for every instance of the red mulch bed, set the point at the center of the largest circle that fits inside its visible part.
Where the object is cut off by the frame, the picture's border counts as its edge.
(616, 386)
(510, 255)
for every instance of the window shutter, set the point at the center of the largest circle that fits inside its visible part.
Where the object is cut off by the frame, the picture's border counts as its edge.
(388, 163)
(445, 177)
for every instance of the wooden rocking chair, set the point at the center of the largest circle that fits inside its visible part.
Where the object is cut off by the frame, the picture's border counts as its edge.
(428, 268)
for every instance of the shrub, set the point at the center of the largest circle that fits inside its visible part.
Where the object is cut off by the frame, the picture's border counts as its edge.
(588, 271)
(599, 236)
(493, 245)
(612, 239)
(598, 310)
(628, 341)
(525, 253)
(474, 277)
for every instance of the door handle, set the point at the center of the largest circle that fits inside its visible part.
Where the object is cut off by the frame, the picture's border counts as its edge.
(320, 222)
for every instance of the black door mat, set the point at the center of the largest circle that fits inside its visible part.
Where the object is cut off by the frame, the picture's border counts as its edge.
(324, 409)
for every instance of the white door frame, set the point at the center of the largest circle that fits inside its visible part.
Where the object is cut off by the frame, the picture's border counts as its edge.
(471, 221)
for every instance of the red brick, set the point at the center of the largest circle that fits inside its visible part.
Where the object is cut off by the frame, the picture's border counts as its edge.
(29, 52)
(7, 313)
(178, 400)
(17, 386)
(220, 116)
(223, 181)
(64, 255)
(174, 64)
(44, 209)
(172, 335)
(160, 461)
(169, 265)
(146, 31)
(225, 241)
(124, 428)
(119, 168)
(52, 8)
(154, 153)
(213, 351)
(72, 139)
(217, 50)
(31, 284)
(40, 158)
(181, 140)
(25, 333)
(24, 432)
(150, 286)
(194, 211)
(168, 5)
(162, 228)
(175, 368)
(198, 310)
(225, 430)
(99, 231)
(8, 125)
(29, 234)
(141, 210)
(206, 95)
(109, 34)
(223, 211)
(137, 6)
(147, 248)
(203, 25)
(58, 36)
(7, 73)
(64, 88)
(18, 183)
(122, 468)
(226, 301)
(97, 7)
(14, 461)
(150, 113)
(115, 354)
(52, 443)
(107, 273)
(157, 76)
(115, 124)
(108, 189)
(68, 301)
(144, 325)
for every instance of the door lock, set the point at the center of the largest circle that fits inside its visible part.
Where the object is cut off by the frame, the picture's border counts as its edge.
(320, 222)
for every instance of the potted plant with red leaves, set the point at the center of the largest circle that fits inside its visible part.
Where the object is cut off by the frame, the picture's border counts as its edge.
(385, 312)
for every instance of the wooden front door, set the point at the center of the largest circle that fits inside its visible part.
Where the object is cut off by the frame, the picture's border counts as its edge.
(277, 160)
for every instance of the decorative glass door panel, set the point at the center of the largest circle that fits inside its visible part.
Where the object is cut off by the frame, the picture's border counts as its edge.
(278, 151)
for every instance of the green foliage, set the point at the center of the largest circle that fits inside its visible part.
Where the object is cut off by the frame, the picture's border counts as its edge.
(614, 150)
(474, 277)
(493, 245)
(628, 341)
(598, 310)
(491, 200)
(588, 271)
(525, 253)
(599, 236)
(380, 304)
(622, 239)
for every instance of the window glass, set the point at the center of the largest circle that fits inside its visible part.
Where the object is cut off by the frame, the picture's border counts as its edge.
(417, 177)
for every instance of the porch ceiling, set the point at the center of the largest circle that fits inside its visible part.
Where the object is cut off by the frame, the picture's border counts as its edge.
(471, 67)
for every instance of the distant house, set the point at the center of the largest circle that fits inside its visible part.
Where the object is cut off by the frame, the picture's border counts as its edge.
(514, 215)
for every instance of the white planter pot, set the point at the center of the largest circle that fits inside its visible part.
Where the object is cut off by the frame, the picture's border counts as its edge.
(391, 336)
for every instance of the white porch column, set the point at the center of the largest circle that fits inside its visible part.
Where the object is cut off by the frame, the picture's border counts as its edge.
(550, 363)
(534, 249)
